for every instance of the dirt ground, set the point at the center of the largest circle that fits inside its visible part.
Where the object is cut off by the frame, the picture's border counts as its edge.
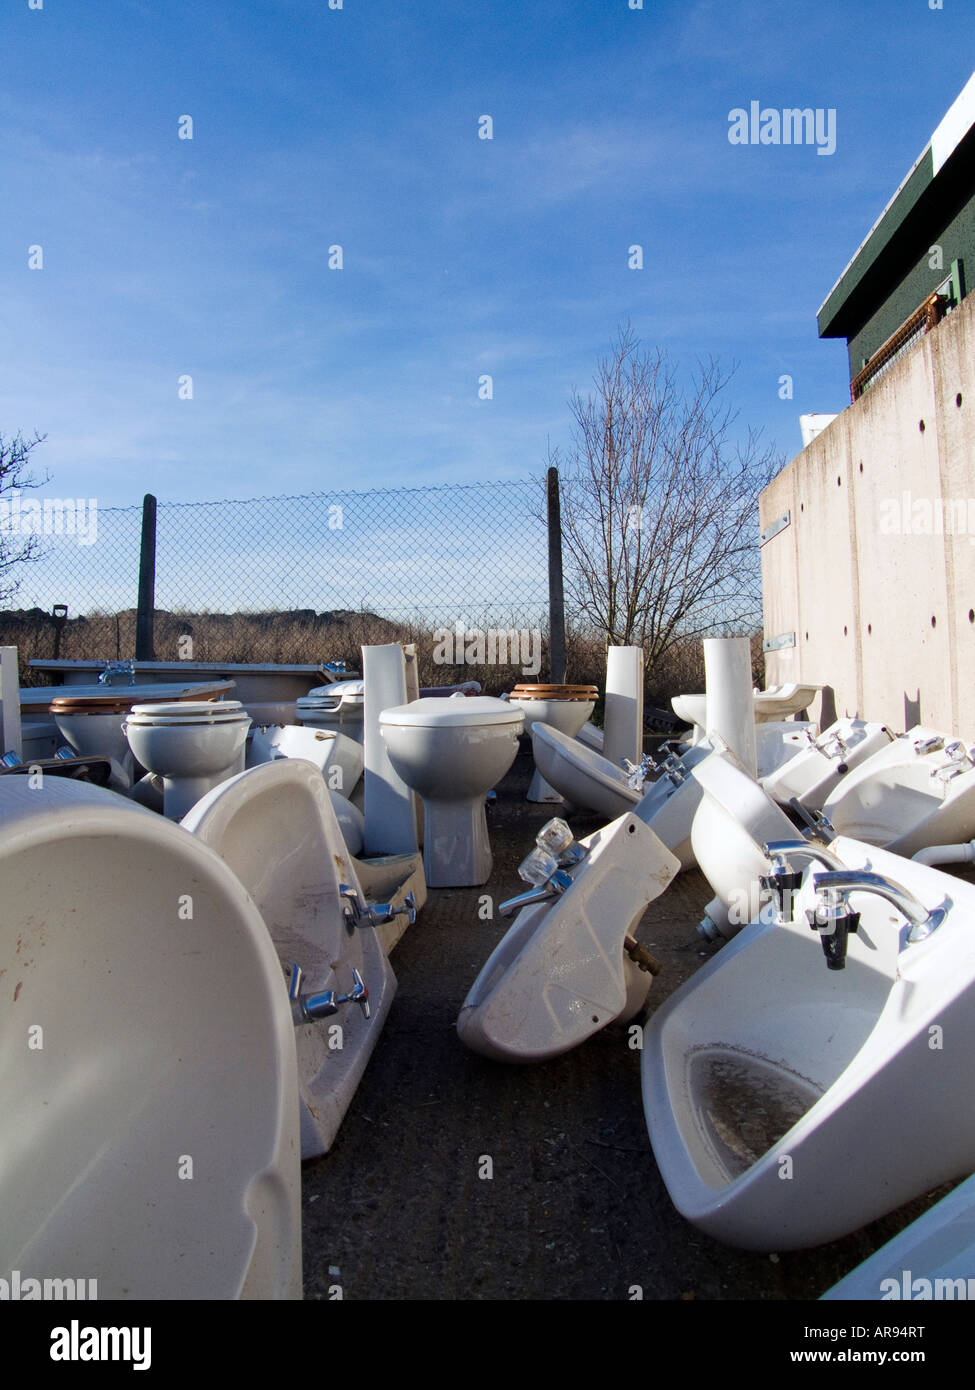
(576, 1208)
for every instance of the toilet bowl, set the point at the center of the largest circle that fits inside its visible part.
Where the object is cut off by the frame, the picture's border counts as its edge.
(580, 774)
(733, 821)
(563, 707)
(452, 752)
(818, 765)
(147, 1059)
(89, 718)
(337, 707)
(568, 966)
(192, 746)
(789, 1103)
(338, 757)
(275, 827)
(918, 790)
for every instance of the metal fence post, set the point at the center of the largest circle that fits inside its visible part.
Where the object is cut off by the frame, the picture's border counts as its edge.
(147, 582)
(556, 595)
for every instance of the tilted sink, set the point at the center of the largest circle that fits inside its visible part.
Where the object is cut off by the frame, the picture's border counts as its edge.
(818, 765)
(788, 1103)
(911, 794)
(276, 828)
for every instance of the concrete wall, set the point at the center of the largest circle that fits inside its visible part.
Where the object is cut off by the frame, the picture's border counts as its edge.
(875, 574)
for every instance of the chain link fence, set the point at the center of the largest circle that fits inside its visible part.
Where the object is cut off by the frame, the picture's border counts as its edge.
(285, 579)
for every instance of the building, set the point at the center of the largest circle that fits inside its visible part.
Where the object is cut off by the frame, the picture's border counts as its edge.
(868, 535)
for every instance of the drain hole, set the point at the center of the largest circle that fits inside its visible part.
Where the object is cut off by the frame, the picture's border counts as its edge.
(958, 399)
(921, 426)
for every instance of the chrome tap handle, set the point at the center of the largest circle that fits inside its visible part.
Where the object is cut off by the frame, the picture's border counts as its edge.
(308, 1008)
(358, 994)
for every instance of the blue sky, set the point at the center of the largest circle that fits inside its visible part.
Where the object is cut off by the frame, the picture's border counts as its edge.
(358, 127)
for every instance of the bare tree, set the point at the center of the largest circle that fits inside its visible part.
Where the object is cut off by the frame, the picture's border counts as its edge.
(660, 506)
(16, 546)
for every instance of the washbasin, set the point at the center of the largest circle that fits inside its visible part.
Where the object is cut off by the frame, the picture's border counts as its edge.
(818, 765)
(669, 802)
(580, 774)
(275, 827)
(775, 742)
(777, 703)
(570, 964)
(932, 1259)
(733, 819)
(147, 1058)
(918, 790)
(789, 1103)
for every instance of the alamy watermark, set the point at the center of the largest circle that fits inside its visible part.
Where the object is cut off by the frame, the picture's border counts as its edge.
(20, 1288)
(908, 515)
(474, 646)
(49, 516)
(793, 125)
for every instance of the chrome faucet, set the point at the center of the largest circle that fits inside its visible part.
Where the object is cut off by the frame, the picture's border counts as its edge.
(923, 921)
(783, 880)
(546, 867)
(637, 773)
(117, 668)
(928, 745)
(374, 914)
(959, 760)
(307, 1008)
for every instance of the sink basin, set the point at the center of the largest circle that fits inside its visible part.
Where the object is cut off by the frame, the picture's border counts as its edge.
(167, 1054)
(580, 774)
(775, 742)
(276, 828)
(562, 973)
(926, 1261)
(734, 818)
(897, 798)
(669, 803)
(818, 766)
(789, 1104)
(778, 703)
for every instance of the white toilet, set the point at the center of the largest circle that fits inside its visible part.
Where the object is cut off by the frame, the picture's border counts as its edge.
(193, 747)
(150, 1136)
(563, 707)
(338, 706)
(452, 752)
(90, 719)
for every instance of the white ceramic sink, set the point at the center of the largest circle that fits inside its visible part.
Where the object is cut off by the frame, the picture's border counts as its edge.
(147, 1059)
(775, 742)
(903, 797)
(818, 765)
(339, 758)
(777, 703)
(276, 828)
(733, 819)
(562, 972)
(580, 774)
(669, 803)
(932, 1260)
(789, 1104)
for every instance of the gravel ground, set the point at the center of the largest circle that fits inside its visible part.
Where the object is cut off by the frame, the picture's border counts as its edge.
(576, 1208)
